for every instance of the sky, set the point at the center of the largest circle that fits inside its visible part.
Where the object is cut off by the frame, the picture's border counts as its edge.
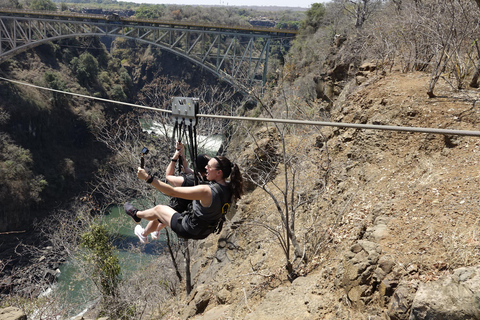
(276, 3)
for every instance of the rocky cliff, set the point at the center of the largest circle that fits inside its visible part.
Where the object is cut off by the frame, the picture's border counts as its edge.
(397, 221)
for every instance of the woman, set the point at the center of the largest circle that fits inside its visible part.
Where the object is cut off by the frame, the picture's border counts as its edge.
(225, 182)
(185, 179)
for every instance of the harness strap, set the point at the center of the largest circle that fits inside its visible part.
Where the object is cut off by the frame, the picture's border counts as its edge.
(179, 132)
(192, 134)
(225, 207)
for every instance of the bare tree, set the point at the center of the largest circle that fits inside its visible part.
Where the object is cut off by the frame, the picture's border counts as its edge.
(279, 164)
(361, 10)
(434, 36)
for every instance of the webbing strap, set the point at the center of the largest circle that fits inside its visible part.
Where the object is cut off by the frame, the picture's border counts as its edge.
(193, 150)
(179, 132)
(177, 136)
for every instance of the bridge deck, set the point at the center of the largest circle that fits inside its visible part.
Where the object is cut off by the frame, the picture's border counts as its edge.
(147, 22)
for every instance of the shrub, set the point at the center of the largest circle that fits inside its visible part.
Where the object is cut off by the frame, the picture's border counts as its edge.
(45, 5)
(106, 271)
(85, 67)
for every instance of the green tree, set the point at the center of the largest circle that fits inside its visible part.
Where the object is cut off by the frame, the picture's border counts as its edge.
(313, 18)
(15, 4)
(150, 11)
(85, 67)
(54, 81)
(118, 93)
(43, 5)
(291, 25)
(125, 78)
(101, 257)
(19, 186)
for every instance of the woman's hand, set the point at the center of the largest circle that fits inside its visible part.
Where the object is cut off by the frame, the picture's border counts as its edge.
(176, 155)
(179, 149)
(142, 174)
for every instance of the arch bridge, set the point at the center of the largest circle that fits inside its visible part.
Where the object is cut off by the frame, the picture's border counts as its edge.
(236, 54)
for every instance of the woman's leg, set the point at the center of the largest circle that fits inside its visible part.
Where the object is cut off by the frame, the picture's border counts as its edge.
(161, 212)
(152, 226)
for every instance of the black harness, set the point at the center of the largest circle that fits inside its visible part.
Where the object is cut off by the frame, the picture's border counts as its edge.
(180, 130)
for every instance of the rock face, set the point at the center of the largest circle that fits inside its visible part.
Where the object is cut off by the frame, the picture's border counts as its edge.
(360, 265)
(12, 313)
(403, 212)
(368, 275)
(36, 276)
(454, 297)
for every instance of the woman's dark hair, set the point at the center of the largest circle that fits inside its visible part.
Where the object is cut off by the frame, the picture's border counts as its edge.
(231, 170)
(201, 162)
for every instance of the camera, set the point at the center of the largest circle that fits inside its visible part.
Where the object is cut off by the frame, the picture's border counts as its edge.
(142, 160)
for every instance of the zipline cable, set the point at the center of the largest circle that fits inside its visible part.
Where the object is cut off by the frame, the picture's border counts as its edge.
(286, 121)
(351, 125)
(85, 96)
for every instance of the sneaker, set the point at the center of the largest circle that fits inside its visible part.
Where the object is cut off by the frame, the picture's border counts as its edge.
(131, 211)
(138, 233)
(154, 235)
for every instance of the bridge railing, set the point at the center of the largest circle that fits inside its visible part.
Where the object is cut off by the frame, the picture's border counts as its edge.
(83, 16)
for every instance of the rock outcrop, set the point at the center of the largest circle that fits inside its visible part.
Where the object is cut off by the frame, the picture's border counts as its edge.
(12, 313)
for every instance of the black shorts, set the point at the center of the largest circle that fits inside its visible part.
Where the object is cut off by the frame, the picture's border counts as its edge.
(176, 226)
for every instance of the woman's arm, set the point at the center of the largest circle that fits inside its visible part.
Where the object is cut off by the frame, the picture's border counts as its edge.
(200, 192)
(174, 180)
(170, 171)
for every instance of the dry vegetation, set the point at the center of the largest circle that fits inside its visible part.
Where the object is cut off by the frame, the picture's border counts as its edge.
(423, 186)
(314, 191)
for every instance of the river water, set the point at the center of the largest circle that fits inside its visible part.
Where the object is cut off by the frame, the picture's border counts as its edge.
(206, 144)
(75, 287)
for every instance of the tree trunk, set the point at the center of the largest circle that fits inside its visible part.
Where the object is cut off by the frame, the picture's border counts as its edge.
(476, 75)
(188, 275)
(296, 246)
(174, 261)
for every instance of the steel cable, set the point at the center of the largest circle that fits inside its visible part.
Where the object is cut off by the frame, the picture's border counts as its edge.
(285, 121)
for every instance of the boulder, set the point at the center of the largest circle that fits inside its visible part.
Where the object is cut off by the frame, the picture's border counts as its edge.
(401, 302)
(454, 297)
(198, 301)
(12, 313)
(359, 277)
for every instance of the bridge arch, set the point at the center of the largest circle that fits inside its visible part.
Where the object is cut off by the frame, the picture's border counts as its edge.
(32, 45)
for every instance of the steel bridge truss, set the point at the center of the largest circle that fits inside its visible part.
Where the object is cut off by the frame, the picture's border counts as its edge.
(236, 55)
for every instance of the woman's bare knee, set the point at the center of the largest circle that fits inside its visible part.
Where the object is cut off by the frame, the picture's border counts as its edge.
(164, 213)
